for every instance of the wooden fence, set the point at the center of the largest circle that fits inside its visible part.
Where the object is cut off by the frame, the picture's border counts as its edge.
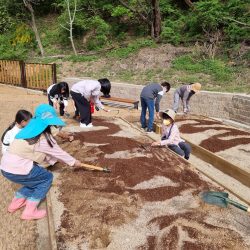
(27, 75)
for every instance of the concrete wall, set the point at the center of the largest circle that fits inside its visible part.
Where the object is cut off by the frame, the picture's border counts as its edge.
(214, 104)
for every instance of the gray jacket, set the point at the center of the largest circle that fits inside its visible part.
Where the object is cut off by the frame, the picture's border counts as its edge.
(185, 94)
(153, 91)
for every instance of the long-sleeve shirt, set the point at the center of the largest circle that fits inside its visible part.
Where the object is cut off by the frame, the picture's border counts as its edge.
(185, 94)
(9, 138)
(90, 89)
(172, 137)
(20, 160)
(153, 91)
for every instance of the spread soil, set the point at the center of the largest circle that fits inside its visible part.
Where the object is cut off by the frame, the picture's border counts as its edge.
(127, 208)
(215, 143)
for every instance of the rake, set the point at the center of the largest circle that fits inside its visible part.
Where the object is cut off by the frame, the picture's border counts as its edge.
(221, 199)
(92, 167)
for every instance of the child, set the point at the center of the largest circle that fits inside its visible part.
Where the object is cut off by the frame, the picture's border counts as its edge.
(171, 135)
(33, 144)
(58, 94)
(184, 93)
(85, 91)
(150, 99)
(21, 120)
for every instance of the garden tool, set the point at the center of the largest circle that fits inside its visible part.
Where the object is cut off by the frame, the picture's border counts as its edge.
(221, 199)
(92, 167)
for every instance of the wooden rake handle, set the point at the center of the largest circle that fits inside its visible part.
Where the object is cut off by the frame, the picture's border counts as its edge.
(92, 167)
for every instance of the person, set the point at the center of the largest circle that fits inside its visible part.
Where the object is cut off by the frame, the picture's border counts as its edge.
(33, 144)
(58, 94)
(171, 135)
(87, 91)
(184, 93)
(21, 120)
(150, 99)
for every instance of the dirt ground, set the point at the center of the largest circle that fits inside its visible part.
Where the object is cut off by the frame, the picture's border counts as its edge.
(223, 140)
(150, 200)
(134, 207)
(15, 233)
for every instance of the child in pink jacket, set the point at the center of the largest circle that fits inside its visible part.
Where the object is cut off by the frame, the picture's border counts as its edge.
(171, 135)
(20, 164)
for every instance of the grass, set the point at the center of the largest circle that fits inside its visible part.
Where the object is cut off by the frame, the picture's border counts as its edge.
(131, 48)
(214, 67)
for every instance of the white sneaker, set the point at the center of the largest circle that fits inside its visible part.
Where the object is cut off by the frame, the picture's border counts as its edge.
(90, 125)
(83, 125)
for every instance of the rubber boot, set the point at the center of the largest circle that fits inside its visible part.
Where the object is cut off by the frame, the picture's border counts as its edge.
(31, 212)
(15, 204)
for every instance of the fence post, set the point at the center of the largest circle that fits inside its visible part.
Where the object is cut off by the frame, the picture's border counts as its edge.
(54, 73)
(23, 74)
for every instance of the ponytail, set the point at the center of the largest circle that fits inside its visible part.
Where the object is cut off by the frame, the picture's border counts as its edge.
(21, 115)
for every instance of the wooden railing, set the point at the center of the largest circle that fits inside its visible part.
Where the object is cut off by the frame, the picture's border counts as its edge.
(27, 75)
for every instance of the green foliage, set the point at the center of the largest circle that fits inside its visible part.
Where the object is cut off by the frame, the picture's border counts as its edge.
(100, 34)
(22, 35)
(5, 20)
(131, 48)
(8, 51)
(216, 68)
(120, 11)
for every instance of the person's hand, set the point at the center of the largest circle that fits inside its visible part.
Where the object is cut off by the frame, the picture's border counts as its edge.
(157, 116)
(71, 138)
(156, 144)
(77, 164)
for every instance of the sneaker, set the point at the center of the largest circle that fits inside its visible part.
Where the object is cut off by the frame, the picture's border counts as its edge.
(83, 125)
(149, 131)
(90, 125)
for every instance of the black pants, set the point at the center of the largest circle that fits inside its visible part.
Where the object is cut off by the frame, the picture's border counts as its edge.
(82, 106)
(61, 106)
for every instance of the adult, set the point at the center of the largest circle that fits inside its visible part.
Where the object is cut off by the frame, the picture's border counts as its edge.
(151, 96)
(185, 92)
(87, 91)
(58, 94)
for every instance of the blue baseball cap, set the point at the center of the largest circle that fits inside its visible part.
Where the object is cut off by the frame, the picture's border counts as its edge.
(45, 115)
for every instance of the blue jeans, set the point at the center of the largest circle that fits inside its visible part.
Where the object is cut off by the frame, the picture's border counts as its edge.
(182, 149)
(147, 103)
(36, 184)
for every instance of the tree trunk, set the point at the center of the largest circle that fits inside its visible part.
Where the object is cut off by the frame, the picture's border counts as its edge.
(71, 39)
(189, 3)
(34, 27)
(156, 19)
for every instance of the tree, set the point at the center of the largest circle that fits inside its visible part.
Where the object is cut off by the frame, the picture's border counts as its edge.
(71, 16)
(28, 5)
(152, 17)
(156, 19)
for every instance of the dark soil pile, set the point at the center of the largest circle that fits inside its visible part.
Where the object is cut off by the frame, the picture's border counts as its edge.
(215, 143)
(96, 203)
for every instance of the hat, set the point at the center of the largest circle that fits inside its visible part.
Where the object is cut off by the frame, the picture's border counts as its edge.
(168, 112)
(196, 87)
(45, 115)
